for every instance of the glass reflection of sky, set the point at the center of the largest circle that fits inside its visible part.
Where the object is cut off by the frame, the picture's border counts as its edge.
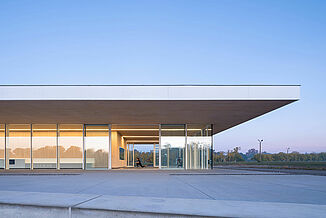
(173, 141)
(97, 143)
(200, 140)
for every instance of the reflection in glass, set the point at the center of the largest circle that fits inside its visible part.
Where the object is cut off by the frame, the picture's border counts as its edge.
(97, 146)
(2, 146)
(199, 141)
(156, 155)
(130, 155)
(44, 145)
(172, 145)
(19, 146)
(71, 146)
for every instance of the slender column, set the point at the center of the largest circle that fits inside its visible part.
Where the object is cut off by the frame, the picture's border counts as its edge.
(154, 155)
(202, 157)
(83, 154)
(196, 157)
(212, 148)
(127, 155)
(168, 157)
(186, 149)
(159, 149)
(133, 154)
(110, 143)
(207, 149)
(6, 155)
(207, 157)
(58, 151)
(32, 167)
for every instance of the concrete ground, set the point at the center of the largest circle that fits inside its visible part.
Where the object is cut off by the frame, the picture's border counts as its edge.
(266, 168)
(215, 187)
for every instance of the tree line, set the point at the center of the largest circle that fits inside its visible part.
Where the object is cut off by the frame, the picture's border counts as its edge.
(253, 155)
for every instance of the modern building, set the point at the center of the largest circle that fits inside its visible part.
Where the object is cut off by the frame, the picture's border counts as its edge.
(97, 127)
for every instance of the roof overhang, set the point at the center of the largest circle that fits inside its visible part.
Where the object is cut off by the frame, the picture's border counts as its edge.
(223, 106)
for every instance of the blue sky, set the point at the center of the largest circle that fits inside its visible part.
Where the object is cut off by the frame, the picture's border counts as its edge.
(179, 42)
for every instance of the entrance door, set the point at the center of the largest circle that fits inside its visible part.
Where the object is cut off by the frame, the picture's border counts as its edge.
(97, 144)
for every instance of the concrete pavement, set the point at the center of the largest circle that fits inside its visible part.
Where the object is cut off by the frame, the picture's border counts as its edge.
(218, 192)
(27, 204)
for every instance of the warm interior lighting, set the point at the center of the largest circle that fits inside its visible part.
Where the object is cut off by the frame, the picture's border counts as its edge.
(133, 141)
(89, 129)
(140, 136)
(135, 129)
(158, 129)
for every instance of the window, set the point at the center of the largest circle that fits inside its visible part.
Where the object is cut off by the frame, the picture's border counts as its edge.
(2, 146)
(199, 142)
(172, 145)
(19, 145)
(70, 146)
(44, 145)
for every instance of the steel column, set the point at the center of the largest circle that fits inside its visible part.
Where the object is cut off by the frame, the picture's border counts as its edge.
(110, 156)
(58, 151)
(159, 149)
(32, 164)
(186, 149)
(83, 155)
(6, 155)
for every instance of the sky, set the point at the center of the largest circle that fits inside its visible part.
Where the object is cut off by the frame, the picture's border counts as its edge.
(179, 42)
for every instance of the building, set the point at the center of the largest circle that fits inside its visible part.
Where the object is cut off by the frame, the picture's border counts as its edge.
(96, 127)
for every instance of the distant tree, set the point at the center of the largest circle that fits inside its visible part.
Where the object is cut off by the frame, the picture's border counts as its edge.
(251, 153)
(293, 156)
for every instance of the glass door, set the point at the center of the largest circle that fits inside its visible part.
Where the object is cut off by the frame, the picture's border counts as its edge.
(97, 144)
(130, 155)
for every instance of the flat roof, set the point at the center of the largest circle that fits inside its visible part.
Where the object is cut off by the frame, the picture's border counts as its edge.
(224, 106)
(149, 92)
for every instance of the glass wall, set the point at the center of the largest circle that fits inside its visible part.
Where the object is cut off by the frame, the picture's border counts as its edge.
(61, 146)
(97, 146)
(2, 146)
(172, 145)
(44, 144)
(156, 155)
(130, 155)
(18, 146)
(70, 146)
(199, 142)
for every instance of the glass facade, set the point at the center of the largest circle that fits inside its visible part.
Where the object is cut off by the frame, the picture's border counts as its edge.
(2, 146)
(44, 146)
(173, 138)
(83, 146)
(156, 155)
(18, 146)
(130, 155)
(70, 146)
(96, 146)
(199, 142)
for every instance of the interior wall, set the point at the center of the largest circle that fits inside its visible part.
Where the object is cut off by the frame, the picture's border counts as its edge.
(116, 142)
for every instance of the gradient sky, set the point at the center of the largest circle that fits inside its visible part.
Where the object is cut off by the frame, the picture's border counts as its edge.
(179, 42)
